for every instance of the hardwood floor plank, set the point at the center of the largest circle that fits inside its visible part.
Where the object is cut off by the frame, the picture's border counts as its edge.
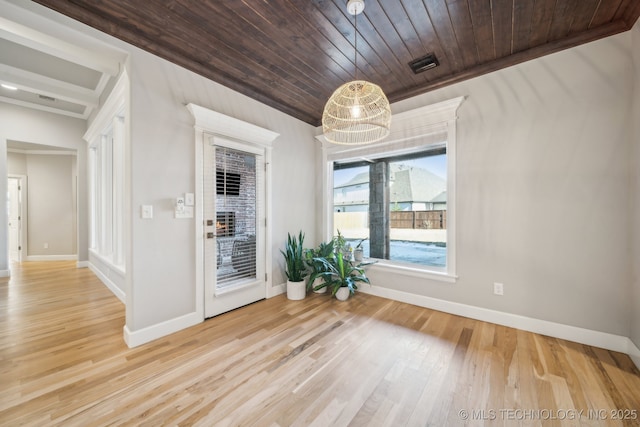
(364, 362)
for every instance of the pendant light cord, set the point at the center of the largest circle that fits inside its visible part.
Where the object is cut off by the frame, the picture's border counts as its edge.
(355, 43)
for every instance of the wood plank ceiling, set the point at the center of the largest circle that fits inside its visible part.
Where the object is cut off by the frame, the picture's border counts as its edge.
(292, 54)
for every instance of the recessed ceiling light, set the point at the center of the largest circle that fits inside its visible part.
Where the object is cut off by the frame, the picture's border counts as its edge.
(9, 87)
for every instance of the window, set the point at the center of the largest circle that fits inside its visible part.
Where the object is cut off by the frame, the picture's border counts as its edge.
(399, 194)
(408, 194)
(106, 175)
(107, 141)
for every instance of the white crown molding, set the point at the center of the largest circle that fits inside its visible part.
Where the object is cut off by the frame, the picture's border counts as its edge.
(98, 60)
(37, 83)
(35, 106)
(115, 105)
(406, 126)
(222, 125)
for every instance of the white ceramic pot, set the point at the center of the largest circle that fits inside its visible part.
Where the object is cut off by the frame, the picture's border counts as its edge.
(321, 290)
(343, 294)
(296, 290)
(358, 254)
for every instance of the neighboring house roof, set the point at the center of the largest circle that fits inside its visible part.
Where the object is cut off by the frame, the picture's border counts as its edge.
(409, 184)
(440, 198)
(413, 184)
(361, 178)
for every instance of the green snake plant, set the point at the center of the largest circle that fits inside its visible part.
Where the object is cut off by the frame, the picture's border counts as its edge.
(295, 267)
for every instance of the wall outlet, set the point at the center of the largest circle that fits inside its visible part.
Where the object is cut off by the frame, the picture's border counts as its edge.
(46, 246)
(498, 289)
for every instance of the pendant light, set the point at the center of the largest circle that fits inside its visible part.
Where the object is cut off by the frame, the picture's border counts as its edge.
(358, 112)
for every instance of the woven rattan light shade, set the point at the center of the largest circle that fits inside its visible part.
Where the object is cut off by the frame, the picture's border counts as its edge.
(358, 112)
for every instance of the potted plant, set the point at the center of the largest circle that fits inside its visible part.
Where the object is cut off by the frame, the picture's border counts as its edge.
(326, 251)
(342, 246)
(358, 252)
(341, 276)
(295, 267)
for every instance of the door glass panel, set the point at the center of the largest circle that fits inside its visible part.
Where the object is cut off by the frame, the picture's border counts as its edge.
(236, 220)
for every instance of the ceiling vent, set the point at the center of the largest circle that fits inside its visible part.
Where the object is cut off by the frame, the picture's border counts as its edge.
(425, 63)
(46, 98)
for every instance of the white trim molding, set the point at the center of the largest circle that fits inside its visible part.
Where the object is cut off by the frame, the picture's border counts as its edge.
(63, 152)
(273, 291)
(150, 333)
(115, 105)
(119, 293)
(212, 123)
(413, 131)
(633, 352)
(51, 258)
(557, 330)
(223, 125)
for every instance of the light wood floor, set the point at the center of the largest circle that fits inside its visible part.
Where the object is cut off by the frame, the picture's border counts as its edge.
(365, 362)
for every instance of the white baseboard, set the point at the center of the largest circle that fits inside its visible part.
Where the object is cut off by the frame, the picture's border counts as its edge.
(51, 258)
(557, 330)
(82, 264)
(5, 273)
(634, 353)
(119, 293)
(276, 290)
(150, 333)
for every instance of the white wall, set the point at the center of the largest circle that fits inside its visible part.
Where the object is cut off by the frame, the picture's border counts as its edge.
(51, 204)
(635, 168)
(51, 216)
(543, 189)
(16, 163)
(163, 168)
(39, 127)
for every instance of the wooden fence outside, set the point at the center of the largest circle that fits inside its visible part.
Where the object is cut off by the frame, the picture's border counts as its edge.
(419, 219)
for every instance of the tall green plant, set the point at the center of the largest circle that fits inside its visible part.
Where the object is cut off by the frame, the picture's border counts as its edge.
(340, 273)
(295, 267)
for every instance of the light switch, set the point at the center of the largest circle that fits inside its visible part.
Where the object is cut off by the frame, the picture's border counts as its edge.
(146, 211)
(188, 199)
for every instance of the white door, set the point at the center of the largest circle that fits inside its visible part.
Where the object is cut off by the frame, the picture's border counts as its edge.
(234, 216)
(15, 220)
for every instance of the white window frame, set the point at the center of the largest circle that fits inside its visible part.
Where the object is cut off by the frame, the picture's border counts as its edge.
(106, 138)
(411, 131)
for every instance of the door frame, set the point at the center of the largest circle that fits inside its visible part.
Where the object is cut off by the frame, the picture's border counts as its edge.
(209, 123)
(218, 301)
(23, 183)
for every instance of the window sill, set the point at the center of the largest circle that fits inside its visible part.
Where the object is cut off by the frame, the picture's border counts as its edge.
(385, 265)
